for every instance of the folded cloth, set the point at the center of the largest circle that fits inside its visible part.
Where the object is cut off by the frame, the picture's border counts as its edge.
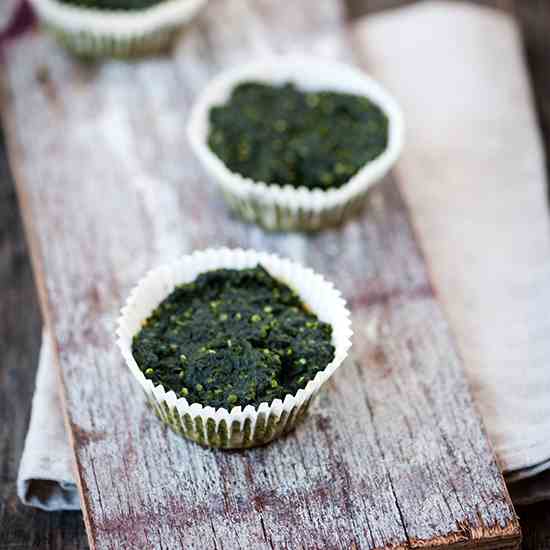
(46, 478)
(472, 173)
(473, 177)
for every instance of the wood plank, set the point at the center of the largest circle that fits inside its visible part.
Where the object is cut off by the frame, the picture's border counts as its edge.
(21, 527)
(393, 453)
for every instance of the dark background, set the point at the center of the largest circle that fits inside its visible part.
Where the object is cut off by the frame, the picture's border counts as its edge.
(20, 324)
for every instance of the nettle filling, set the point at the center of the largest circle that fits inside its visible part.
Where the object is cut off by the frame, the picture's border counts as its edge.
(113, 4)
(233, 337)
(281, 135)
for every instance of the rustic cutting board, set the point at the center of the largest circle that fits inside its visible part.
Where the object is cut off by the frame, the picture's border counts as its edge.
(393, 453)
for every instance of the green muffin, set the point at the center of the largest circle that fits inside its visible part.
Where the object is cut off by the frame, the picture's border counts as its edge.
(282, 135)
(116, 28)
(233, 337)
(113, 4)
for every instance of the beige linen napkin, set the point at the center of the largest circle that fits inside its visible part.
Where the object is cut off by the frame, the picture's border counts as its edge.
(473, 176)
(46, 478)
(472, 173)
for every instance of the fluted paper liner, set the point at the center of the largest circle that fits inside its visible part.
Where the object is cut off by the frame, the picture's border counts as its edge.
(285, 207)
(116, 33)
(238, 427)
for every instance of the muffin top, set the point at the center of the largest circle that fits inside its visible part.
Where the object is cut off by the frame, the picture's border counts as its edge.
(281, 135)
(113, 4)
(233, 337)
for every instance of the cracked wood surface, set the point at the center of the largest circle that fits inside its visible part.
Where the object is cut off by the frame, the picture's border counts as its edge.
(393, 453)
(21, 527)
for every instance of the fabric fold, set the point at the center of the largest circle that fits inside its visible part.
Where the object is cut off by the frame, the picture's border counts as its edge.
(472, 173)
(46, 477)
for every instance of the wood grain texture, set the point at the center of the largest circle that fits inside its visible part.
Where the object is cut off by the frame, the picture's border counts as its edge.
(393, 453)
(21, 528)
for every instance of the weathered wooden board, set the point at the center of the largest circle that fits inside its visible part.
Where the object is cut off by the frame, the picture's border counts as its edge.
(393, 453)
(21, 527)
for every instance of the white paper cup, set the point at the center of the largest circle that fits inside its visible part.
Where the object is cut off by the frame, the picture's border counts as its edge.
(235, 428)
(285, 207)
(116, 33)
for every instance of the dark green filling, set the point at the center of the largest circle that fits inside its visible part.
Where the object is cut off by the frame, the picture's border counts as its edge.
(280, 135)
(233, 337)
(113, 4)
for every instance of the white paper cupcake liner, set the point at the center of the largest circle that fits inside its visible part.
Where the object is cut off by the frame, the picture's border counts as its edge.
(251, 426)
(116, 33)
(285, 207)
